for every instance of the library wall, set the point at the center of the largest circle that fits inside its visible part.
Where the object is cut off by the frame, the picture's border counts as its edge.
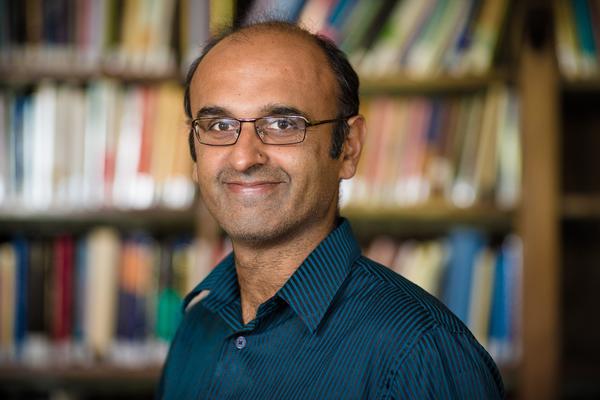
(102, 232)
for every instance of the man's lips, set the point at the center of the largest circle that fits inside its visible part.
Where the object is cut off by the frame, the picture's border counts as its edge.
(250, 188)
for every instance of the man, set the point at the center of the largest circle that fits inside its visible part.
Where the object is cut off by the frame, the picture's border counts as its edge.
(295, 312)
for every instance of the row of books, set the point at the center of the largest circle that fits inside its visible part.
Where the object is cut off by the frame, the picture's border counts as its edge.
(111, 298)
(578, 37)
(463, 149)
(139, 37)
(101, 297)
(416, 37)
(94, 146)
(479, 281)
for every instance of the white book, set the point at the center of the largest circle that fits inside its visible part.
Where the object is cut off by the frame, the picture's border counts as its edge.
(39, 190)
(60, 175)
(128, 149)
(4, 152)
(75, 142)
(100, 96)
(196, 30)
(508, 188)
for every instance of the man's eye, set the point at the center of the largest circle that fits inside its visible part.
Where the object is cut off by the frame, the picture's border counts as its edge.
(222, 125)
(282, 124)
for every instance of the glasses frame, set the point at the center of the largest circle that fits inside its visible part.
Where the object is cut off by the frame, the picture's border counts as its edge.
(309, 124)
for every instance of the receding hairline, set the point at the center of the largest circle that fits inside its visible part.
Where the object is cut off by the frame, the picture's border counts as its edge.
(249, 33)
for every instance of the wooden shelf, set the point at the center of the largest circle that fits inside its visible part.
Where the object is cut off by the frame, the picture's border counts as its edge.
(581, 206)
(579, 85)
(429, 217)
(103, 378)
(400, 84)
(12, 221)
(22, 75)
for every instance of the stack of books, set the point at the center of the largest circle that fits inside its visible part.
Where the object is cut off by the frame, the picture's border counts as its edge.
(478, 280)
(578, 37)
(413, 37)
(462, 149)
(97, 298)
(103, 145)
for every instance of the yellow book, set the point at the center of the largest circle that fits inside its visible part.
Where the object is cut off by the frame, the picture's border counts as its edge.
(481, 295)
(102, 261)
(8, 271)
(221, 14)
(484, 175)
(480, 56)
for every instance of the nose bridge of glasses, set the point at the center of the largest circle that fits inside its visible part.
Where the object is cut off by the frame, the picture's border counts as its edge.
(252, 121)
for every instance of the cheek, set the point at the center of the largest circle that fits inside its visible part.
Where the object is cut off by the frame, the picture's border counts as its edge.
(206, 170)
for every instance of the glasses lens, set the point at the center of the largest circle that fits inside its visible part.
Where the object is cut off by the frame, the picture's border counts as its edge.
(217, 131)
(281, 130)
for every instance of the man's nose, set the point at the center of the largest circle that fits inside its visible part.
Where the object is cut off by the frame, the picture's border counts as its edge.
(248, 150)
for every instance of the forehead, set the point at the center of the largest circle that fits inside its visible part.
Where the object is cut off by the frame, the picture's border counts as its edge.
(267, 66)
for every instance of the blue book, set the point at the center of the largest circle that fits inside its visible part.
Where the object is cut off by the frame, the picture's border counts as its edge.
(465, 245)
(79, 281)
(464, 38)
(505, 302)
(340, 13)
(286, 10)
(499, 319)
(16, 145)
(583, 26)
(22, 261)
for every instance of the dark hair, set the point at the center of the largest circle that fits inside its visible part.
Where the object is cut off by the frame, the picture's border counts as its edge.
(347, 79)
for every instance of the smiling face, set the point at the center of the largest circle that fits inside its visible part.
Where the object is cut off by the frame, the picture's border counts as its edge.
(263, 193)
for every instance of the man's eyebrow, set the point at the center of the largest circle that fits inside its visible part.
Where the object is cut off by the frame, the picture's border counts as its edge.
(213, 111)
(269, 109)
(282, 109)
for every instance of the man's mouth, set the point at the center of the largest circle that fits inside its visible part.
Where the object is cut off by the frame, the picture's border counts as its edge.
(252, 187)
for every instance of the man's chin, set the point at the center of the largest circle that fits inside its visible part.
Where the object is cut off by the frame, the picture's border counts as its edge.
(256, 232)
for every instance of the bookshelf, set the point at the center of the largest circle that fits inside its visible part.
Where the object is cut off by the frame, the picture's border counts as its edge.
(579, 228)
(556, 216)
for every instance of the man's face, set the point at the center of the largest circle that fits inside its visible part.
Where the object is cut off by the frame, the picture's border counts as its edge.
(257, 192)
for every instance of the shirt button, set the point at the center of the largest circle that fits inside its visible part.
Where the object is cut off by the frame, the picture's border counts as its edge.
(240, 342)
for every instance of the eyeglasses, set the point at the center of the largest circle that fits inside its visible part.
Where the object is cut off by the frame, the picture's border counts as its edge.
(278, 130)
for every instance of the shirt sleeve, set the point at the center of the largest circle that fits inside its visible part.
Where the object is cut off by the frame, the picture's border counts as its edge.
(445, 365)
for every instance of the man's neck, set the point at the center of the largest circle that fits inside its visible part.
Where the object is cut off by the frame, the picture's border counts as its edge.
(263, 271)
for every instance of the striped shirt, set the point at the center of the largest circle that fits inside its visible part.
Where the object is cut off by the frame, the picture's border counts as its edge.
(341, 327)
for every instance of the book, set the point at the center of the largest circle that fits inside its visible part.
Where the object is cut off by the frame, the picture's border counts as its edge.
(481, 283)
(461, 149)
(100, 290)
(193, 30)
(8, 283)
(504, 325)
(585, 36)
(465, 246)
(4, 150)
(481, 291)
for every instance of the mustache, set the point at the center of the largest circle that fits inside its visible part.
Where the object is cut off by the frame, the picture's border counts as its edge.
(253, 174)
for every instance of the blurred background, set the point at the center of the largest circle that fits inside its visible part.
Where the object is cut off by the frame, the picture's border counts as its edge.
(478, 180)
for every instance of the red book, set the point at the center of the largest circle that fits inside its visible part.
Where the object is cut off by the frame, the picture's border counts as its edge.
(63, 288)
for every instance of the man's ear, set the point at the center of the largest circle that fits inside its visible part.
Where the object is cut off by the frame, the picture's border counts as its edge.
(353, 146)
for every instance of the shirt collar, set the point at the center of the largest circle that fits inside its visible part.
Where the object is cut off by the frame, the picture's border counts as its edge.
(309, 291)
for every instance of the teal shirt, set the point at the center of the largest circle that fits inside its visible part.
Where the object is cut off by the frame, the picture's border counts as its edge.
(342, 327)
